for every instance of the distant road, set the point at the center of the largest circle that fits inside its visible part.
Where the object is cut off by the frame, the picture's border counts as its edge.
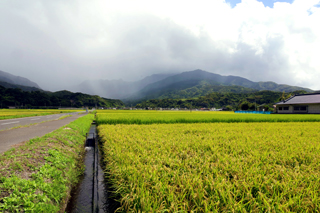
(13, 137)
(10, 123)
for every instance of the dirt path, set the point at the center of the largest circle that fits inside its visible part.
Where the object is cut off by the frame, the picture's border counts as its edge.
(13, 137)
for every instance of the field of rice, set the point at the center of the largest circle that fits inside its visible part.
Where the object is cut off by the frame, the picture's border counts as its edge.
(169, 117)
(20, 113)
(213, 167)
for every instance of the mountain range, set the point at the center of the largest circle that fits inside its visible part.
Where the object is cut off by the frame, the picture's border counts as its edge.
(190, 84)
(203, 83)
(23, 93)
(117, 89)
(182, 85)
(13, 80)
(43, 99)
(23, 88)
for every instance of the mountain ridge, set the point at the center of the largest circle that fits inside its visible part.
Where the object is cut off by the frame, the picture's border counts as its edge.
(159, 85)
(18, 80)
(194, 78)
(188, 84)
(23, 88)
(118, 89)
(44, 99)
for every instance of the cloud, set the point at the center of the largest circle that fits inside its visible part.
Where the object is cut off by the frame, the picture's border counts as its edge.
(57, 43)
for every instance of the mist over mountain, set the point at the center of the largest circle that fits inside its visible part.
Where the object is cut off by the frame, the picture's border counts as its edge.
(13, 79)
(16, 86)
(62, 43)
(187, 84)
(117, 89)
(21, 92)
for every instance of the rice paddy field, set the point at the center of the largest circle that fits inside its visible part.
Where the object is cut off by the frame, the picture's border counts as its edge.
(226, 166)
(20, 113)
(171, 117)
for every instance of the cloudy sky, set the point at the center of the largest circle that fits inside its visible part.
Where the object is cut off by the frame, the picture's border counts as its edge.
(56, 43)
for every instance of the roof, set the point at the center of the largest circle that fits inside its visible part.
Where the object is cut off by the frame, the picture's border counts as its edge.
(311, 98)
(262, 105)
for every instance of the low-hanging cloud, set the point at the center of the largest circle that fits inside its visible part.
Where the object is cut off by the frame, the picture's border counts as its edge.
(58, 43)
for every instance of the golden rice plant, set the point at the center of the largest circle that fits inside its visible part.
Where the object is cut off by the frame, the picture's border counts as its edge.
(214, 167)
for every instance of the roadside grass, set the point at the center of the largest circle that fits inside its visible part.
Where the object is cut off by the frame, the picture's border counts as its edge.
(65, 116)
(21, 113)
(168, 117)
(38, 175)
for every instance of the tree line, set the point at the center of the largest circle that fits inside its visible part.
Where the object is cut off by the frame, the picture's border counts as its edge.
(229, 101)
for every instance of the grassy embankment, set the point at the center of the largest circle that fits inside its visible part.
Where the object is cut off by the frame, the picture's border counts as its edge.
(38, 176)
(21, 113)
(217, 167)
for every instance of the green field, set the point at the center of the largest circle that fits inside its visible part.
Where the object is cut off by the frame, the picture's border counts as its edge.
(212, 167)
(170, 117)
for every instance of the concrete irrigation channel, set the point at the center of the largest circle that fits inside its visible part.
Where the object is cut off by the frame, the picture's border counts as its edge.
(91, 193)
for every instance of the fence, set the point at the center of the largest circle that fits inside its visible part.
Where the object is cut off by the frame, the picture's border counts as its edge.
(254, 112)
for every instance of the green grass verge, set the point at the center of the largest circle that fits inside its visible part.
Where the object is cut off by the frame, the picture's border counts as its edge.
(38, 175)
(65, 116)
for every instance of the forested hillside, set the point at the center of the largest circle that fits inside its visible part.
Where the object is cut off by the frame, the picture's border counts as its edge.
(23, 88)
(197, 83)
(17, 97)
(235, 101)
(203, 89)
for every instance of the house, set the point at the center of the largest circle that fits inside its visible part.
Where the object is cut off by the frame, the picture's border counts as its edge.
(300, 104)
(261, 107)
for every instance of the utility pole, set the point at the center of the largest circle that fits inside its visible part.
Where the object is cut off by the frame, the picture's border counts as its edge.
(255, 103)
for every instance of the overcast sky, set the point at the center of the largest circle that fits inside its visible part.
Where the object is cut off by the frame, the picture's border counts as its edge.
(56, 43)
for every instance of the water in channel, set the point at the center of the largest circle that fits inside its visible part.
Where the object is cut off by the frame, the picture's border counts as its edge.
(90, 195)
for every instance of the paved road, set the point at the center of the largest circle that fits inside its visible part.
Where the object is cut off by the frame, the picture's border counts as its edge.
(9, 123)
(13, 137)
